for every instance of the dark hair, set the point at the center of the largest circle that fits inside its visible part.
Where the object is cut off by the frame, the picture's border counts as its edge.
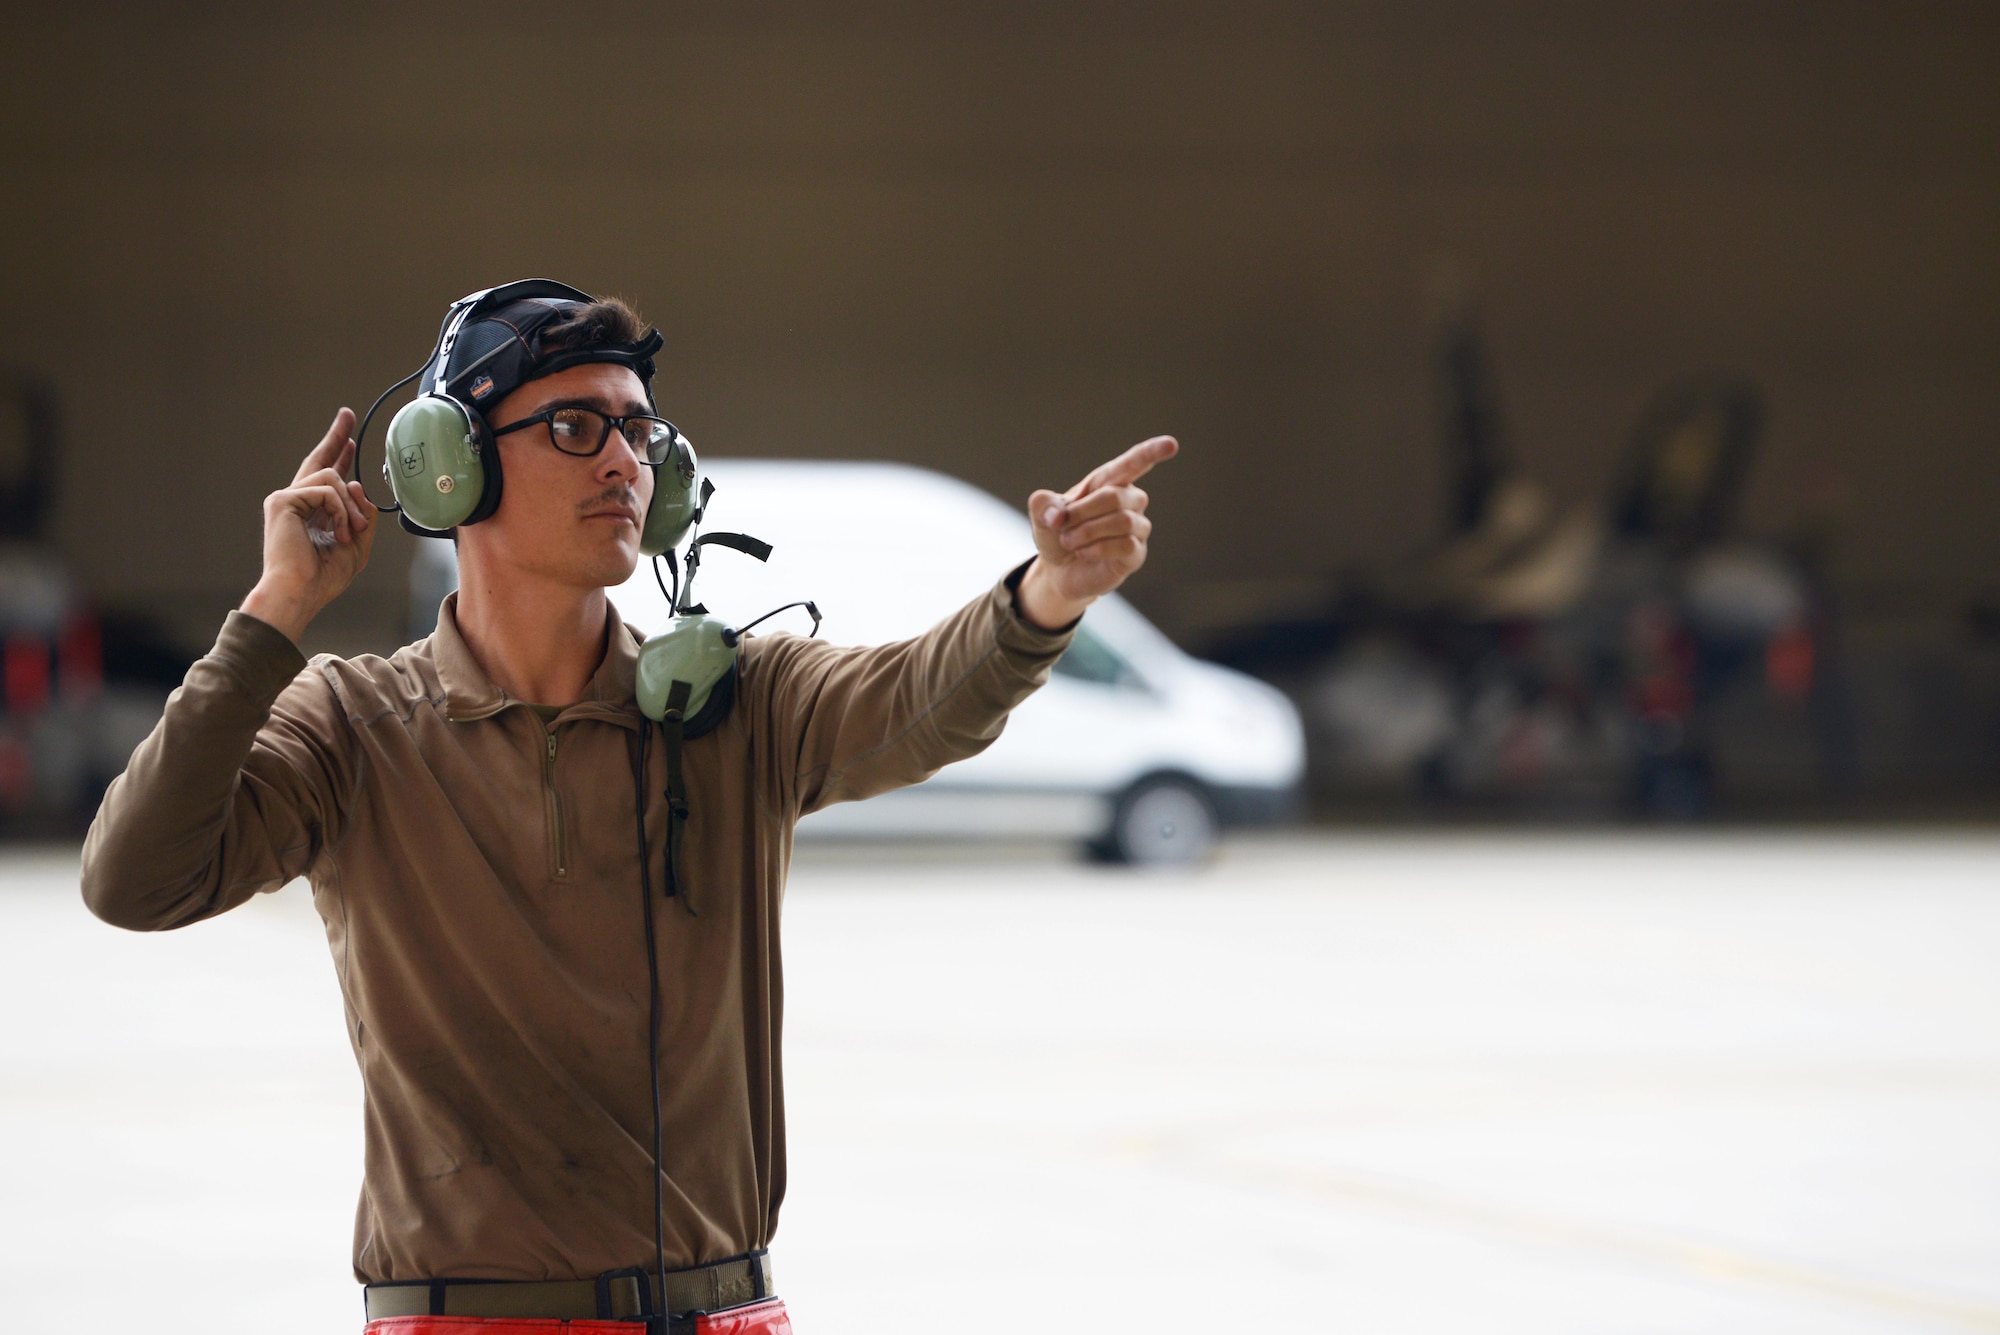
(607, 321)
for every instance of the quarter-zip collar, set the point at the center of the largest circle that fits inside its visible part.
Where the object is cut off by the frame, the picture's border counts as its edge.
(469, 694)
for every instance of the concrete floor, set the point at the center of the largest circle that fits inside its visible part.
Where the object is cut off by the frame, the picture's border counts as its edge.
(1419, 1083)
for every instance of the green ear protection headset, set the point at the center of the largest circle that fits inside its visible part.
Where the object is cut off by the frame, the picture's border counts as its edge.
(441, 463)
(443, 469)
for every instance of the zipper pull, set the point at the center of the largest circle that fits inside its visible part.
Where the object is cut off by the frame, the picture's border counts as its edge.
(552, 746)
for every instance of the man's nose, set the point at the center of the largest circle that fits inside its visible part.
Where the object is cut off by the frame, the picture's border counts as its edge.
(618, 460)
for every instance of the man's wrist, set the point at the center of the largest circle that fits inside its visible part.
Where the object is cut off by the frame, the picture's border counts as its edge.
(287, 613)
(1041, 606)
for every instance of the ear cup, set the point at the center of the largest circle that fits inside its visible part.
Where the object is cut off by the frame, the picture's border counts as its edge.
(489, 457)
(691, 649)
(436, 466)
(676, 498)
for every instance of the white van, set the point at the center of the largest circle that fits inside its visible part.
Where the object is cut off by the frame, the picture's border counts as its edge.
(1134, 749)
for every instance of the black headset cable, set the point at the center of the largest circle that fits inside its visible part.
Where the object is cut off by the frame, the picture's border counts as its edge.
(673, 598)
(369, 416)
(362, 434)
(652, 1027)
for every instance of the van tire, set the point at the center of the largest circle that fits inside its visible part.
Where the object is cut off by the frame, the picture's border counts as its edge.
(1161, 823)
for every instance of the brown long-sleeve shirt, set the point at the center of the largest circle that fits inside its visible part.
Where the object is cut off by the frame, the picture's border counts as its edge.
(478, 871)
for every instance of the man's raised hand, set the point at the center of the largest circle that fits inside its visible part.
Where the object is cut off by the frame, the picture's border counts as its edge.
(317, 534)
(1091, 537)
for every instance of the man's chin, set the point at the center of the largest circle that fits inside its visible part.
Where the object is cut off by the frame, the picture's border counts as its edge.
(614, 566)
(611, 576)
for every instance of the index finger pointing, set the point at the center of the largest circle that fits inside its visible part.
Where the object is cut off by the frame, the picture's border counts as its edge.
(1128, 467)
(327, 453)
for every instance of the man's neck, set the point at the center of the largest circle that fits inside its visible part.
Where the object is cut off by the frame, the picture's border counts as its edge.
(538, 641)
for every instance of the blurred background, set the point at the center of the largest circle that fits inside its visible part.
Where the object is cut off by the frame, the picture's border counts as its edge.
(1587, 407)
(1591, 423)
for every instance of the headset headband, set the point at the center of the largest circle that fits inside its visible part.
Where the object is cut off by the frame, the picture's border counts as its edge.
(502, 325)
(464, 310)
(441, 354)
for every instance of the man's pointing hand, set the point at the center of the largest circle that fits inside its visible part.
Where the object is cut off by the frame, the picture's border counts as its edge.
(1091, 537)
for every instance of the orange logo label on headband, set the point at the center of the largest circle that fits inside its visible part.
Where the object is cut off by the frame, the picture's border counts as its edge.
(482, 387)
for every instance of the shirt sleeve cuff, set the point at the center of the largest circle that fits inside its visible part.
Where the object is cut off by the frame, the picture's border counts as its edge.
(258, 654)
(1019, 634)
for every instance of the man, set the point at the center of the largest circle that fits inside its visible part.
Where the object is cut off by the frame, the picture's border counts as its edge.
(472, 815)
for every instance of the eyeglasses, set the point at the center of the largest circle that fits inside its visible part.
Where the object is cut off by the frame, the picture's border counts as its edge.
(583, 431)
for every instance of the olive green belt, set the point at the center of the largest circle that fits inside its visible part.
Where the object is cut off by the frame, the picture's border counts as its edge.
(615, 1296)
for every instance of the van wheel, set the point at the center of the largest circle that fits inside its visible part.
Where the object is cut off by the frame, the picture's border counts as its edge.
(1161, 823)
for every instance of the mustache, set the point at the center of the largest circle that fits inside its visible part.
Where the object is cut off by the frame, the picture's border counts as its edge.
(619, 495)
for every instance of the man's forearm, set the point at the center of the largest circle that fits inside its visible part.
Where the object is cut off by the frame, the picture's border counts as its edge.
(181, 831)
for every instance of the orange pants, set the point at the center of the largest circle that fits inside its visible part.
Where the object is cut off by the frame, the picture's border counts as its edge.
(764, 1318)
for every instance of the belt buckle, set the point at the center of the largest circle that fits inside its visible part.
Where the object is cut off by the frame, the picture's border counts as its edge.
(642, 1281)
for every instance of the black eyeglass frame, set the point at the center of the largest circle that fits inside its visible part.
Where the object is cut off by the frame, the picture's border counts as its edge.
(672, 438)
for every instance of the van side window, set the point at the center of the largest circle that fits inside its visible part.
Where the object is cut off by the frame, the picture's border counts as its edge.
(1091, 659)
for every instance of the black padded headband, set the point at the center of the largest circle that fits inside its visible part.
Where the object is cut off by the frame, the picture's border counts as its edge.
(491, 344)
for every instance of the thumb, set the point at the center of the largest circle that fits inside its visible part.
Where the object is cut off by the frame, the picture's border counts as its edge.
(1047, 509)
